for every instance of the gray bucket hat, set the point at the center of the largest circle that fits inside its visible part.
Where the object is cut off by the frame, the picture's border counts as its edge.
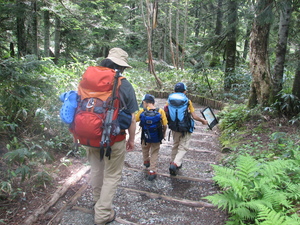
(118, 56)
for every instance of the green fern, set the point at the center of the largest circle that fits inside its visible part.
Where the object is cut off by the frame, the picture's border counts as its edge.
(275, 169)
(227, 200)
(252, 187)
(268, 216)
(246, 168)
(293, 191)
(227, 178)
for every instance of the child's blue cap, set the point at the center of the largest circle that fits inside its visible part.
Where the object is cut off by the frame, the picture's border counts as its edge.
(180, 87)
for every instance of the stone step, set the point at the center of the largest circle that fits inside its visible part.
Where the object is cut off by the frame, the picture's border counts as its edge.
(178, 186)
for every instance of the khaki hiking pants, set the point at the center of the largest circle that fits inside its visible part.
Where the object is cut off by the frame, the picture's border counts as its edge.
(105, 176)
(181, 145)
(150, 153)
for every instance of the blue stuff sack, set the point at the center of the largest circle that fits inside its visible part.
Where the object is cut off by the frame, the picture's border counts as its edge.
(124, 119)
(69, 106)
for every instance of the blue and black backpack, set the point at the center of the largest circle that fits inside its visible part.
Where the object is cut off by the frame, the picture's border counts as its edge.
(179, 118)
(152, 129)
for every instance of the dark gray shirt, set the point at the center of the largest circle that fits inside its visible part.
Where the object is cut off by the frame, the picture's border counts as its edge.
(128, 94)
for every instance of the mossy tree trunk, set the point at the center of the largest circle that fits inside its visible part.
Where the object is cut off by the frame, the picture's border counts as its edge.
(46, 33)
(229, 78)
(296, 85)
(261, 86)
(57, 39)
(218, 30)
(21, 34)
(285, 14)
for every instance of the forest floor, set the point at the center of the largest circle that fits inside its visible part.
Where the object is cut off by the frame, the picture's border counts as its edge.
(165, 200)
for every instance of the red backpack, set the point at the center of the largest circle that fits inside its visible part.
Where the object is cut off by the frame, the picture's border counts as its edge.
(95, 121)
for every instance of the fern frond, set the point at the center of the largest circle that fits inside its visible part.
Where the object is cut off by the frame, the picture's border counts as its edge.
(229, 179)
(253, 205)
(292, 220)
(244, 213)
(222, 172)
(268, 216)
(228, 200)
(234, 220)
(277, 199)
(246, 168)
(293, 191)
(275, 169)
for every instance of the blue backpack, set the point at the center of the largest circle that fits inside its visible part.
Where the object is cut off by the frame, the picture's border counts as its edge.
(179, 118)
(152, 130)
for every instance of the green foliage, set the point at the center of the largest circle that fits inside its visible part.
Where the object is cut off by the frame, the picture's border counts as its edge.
(267, 216)
(257, 191)
(287, 104)
(23, 89)
(233, 117)
(42, 178)
(30, 118)
(18, 156)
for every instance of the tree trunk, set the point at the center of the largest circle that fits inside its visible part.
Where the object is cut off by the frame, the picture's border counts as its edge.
(184, 33)
(149, 26)
(21, 36)
(285, 14)
(177, 35)
(46, 33)
(249, 20)
(57, 39)
(246, 43)
(296, 85)
(12, 49)
(35, 29)
(197, 20)
(261, 86)
(231, 46)
(170, 34)
(218, 30)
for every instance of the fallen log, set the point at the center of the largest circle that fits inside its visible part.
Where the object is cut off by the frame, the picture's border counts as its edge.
(59, 192)
(58, 216)
(168, 198)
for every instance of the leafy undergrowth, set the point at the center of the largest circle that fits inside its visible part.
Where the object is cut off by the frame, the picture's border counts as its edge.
(259, 177)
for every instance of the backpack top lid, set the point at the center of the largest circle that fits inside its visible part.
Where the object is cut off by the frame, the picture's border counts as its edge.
(150, 117)
(178, 103)
(97, 82)
(151, 112)
(97, 78)
(177, 100)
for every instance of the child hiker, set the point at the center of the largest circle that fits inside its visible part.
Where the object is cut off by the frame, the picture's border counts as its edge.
(154, 125)
(181, 116)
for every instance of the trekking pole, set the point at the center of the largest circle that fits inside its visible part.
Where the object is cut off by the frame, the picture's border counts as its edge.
(105, 139)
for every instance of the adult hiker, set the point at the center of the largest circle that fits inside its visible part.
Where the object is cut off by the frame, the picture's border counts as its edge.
(181, 116)
(153, 122)
(106, 145)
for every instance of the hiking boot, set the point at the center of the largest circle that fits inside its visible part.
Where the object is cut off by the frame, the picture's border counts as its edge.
(173, 169)
(111, 218)
(151, 175)
(179, 167)
(147, 163)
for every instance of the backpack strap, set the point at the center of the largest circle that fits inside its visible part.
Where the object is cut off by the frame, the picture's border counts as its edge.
(105, 139)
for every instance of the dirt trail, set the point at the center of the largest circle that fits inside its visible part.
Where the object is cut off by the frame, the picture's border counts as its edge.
(166, 200)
